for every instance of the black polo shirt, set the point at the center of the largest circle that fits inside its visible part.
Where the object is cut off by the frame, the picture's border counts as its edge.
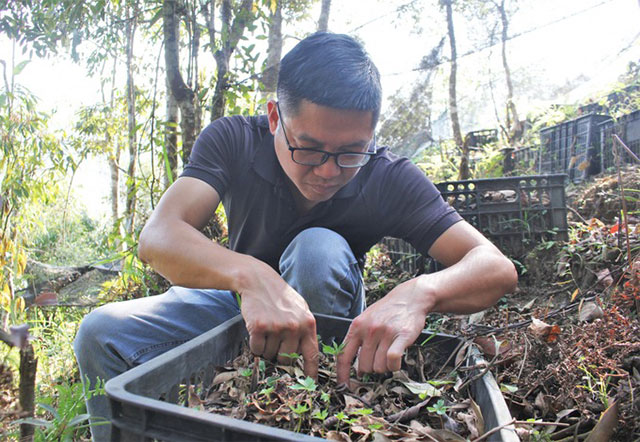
(389, 196)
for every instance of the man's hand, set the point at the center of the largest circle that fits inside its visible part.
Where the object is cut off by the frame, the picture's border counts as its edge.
(384, 330)
(279, 320)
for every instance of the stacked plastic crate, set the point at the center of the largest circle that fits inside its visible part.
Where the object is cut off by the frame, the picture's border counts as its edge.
(628, 129)
(572, 147)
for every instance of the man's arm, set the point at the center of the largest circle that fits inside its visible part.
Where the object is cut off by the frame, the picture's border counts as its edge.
(277, 317)
(478, 274)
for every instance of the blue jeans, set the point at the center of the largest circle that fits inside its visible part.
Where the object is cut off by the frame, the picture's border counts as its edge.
(318, 264)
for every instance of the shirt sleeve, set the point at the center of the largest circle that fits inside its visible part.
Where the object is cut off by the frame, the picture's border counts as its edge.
(215, 151)
(419, 213)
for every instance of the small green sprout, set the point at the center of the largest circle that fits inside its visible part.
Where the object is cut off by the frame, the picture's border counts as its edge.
(293, 356)
(267, 392)
(321, 415)
(333, 349)
(307, 384)
(246, 372)
(299, 409)
(362, 411)
(374, 427)
(325, 396)
(439, 408)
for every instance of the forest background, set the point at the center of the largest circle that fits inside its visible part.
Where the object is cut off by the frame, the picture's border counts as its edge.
(101, 102)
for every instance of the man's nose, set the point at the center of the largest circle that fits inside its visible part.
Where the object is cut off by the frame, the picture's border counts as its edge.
(328, 170)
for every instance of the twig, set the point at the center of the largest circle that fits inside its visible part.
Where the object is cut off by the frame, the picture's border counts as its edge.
(484, 371)
(453, 353)
(629, 151)
(493, 430)
(625, 214)
(550, 424)
(575, 212)
(407, 413)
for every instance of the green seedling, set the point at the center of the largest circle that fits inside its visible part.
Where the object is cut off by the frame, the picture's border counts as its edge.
(362, 411)
(293, 356)
(299, 410)
(246, 372)
(321, 415)
(267, 392)
(333, 349)
(439, 408)
(325, 397)
(307, 384)
(374, 427)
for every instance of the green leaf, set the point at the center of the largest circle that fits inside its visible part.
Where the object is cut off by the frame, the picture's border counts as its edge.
(50, 409)
(34, 421)
(20, 66)
(506, 388)
(78, 419)
(422, 389)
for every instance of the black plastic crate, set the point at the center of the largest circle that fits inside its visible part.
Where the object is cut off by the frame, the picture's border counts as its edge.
(515, 213)
(148, 401)
(628, 129)
(572, 147)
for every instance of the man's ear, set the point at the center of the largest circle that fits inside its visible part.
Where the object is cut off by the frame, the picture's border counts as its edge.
(272, 115)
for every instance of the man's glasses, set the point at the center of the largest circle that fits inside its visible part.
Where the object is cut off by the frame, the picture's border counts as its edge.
(307, 156)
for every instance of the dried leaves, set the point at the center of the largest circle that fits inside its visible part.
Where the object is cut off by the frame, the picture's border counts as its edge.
(381, 407)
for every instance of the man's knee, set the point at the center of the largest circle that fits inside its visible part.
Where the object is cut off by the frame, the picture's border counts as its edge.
(317, 248)
(93, 330)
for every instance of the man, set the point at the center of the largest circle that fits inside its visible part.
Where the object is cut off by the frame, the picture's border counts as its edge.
(307, 192)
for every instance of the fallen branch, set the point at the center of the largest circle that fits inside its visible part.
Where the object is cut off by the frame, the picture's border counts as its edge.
(493, 430)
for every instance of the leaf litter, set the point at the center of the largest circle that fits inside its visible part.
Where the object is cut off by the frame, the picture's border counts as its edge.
(418, 402)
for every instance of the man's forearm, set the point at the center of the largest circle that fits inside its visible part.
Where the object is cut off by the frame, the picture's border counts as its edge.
(475, 283)
(187, 258)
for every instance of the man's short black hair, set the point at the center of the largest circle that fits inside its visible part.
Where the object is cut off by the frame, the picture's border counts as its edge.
(330, 70)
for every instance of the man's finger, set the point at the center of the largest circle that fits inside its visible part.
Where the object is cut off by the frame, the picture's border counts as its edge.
(395, 352)
(380, 361)
(345, 359)
(271, 346)
(257, 342)
(310, 354)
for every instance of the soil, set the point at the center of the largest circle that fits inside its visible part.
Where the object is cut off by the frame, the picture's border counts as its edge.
(8, 398)
(426, 400)
(568, 339)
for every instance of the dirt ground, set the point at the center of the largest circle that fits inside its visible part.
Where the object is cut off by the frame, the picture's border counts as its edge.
(565, 346)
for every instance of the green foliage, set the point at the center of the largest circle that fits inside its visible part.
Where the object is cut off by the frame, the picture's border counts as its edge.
(320, 415)
(293, 356)
(30, 160)
(439, 408)
(440, 161)
(307, 384)
(63, 234)
(334, 349)
(66, 421)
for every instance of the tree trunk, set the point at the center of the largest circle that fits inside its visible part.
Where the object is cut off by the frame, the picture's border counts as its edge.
(114, 168)
(182, 93)
(513, 121)
(274, 53)
(231, 33)
(130, 206)
(323, 22)
(463, 172)
(27, 389)
(171, 140)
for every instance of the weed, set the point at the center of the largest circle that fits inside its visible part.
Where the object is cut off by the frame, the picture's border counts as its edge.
(307, 384)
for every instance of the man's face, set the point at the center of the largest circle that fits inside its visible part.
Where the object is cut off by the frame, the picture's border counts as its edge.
(318, 127)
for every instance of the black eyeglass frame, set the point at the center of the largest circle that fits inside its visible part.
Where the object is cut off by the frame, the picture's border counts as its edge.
(326, 155)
